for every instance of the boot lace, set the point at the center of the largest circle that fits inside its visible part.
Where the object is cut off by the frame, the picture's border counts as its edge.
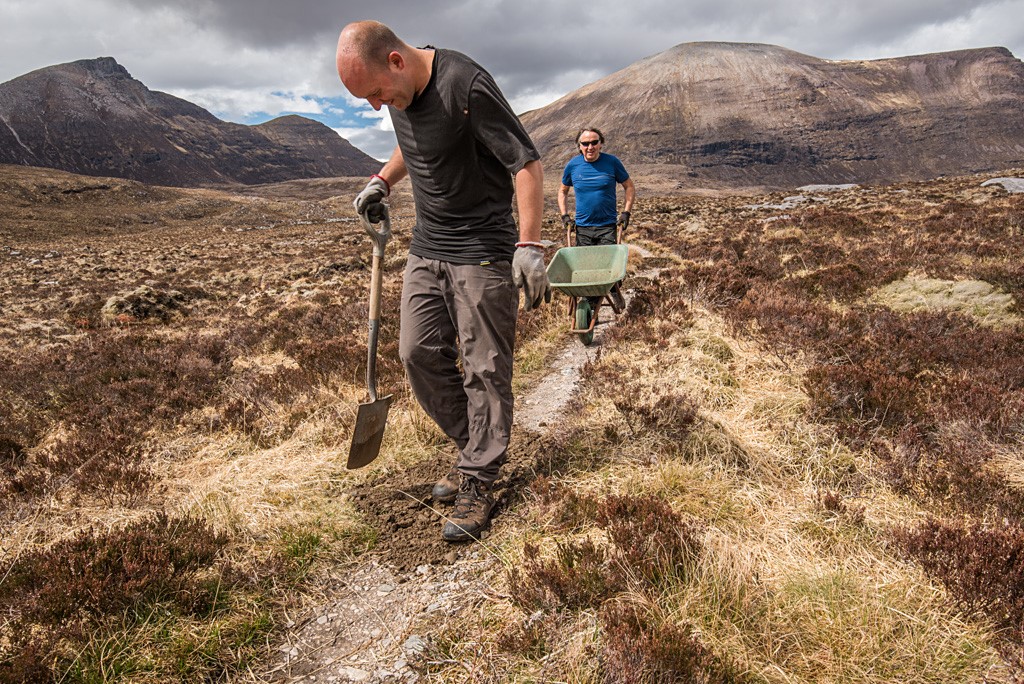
(469, 498)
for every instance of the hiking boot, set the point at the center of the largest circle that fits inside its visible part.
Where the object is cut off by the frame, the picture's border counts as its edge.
(472, 511)
(447, 487)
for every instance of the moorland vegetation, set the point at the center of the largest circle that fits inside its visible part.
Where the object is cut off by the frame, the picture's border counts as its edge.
(774, 470)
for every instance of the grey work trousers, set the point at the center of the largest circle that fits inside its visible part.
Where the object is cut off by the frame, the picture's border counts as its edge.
(452, 311)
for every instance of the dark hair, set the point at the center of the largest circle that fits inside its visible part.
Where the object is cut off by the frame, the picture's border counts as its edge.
(589, 129)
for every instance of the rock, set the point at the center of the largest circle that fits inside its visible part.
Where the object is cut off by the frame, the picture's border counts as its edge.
(145, 302)
(827, 188)
(414, 644)
(355, 674)
(1011, 185)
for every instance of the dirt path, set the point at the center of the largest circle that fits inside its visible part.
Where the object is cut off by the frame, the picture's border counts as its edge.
(385, 607)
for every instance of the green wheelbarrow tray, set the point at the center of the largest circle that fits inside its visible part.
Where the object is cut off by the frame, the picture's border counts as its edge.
(587, 275)
(588, 271)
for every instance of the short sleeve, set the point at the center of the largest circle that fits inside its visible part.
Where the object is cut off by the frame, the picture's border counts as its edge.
(497, 127)
(621, 176)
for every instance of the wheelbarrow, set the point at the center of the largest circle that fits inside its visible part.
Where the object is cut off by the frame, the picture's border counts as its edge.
(588, 275)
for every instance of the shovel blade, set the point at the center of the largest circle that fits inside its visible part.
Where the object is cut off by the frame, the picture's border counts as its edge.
(369, 430)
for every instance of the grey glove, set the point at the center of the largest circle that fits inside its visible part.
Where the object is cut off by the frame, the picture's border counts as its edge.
(370, 200)
(566, 220)
(529, 273)
(624, 220)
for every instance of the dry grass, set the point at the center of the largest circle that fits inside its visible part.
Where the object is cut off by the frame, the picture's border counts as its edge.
(736, 400)
(972, 297)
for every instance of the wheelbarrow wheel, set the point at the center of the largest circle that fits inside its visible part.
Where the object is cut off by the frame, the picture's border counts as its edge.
(584, 314)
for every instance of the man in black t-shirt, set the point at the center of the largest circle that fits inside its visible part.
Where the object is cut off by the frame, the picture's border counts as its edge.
(466, 154)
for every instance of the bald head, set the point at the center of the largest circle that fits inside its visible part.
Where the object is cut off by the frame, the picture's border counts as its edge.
(368, 42)
(376, 65)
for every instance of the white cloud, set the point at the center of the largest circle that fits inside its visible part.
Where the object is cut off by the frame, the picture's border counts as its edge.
(239, 104)
(535, 98)
(381, 119)
(990, 25)
(374, 141)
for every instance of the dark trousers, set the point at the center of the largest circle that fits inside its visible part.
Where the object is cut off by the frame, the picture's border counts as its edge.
(588, 236)
(454, 313)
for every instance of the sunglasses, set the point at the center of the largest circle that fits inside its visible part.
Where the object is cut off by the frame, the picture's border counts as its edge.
(588, 143)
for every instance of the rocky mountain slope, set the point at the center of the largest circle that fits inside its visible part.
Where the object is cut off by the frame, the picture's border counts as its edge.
(91, 117)
(734, 115)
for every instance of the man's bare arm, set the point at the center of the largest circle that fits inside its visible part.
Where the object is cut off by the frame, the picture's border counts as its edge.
(530, 200)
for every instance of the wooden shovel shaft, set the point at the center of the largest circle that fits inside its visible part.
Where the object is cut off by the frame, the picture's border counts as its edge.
(374, 328)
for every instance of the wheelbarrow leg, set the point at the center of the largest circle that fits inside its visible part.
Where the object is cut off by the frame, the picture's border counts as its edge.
(616, 300)
(586, 319)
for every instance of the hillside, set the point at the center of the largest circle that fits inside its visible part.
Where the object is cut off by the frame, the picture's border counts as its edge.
(746, 115)
(794, 457)
(91, 117)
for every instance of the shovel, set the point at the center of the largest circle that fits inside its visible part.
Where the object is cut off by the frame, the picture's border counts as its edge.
(372, 415)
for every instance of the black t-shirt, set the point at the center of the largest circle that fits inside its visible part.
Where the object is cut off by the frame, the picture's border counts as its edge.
(462, 143)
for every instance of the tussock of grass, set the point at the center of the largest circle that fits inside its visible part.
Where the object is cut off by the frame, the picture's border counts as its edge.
(972, 297)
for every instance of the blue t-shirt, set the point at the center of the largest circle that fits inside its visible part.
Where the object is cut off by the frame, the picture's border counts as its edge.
(594, 184)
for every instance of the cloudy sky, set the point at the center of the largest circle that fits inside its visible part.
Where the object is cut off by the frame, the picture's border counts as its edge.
(251, 60)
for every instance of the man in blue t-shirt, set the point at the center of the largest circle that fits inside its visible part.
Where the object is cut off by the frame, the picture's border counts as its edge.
(594, 176)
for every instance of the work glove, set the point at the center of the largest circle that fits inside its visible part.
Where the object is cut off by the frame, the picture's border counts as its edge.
(529, 273)
(371, 200)
(623, 221)
(566, 220)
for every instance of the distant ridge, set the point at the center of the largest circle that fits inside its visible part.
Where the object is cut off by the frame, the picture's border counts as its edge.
(737, 114)
(91, 117)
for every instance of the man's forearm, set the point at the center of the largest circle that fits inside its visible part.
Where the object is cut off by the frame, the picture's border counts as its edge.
(563, 200)
(630, 193)
(530, 200)
(394, 170)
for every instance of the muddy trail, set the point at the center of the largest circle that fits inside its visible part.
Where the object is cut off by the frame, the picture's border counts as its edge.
(376, 622)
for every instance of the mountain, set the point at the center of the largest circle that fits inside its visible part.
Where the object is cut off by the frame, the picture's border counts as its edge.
(91, 117)
(732, 115)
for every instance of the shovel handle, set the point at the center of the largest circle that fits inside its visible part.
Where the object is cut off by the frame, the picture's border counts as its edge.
(374, 329)
(380, 239)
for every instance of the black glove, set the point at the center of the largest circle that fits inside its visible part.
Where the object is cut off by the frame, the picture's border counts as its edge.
(624, 220)
(371, 200)
(566, 220)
